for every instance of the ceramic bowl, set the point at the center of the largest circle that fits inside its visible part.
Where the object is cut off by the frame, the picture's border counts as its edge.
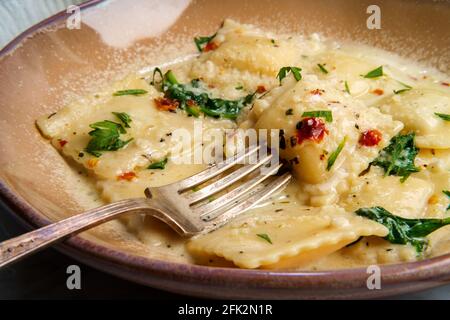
(51, 64)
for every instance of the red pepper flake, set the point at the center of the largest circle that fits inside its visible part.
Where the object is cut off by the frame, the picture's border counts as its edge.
(445, 84)
(378, 92)
(92, 163)
(128, 176)
(191, 103)
(166, 104)
(370, 138)
(261, 89)
(211, 46)
(311, 129)
(62, 143)
(317, 92)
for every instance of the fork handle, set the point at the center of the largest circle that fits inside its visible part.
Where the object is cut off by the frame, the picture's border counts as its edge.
(14, 249)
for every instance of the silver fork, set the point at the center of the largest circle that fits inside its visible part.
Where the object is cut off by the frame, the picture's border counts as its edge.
(175, 204)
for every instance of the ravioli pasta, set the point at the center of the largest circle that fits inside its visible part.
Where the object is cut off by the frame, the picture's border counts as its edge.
(364, 132)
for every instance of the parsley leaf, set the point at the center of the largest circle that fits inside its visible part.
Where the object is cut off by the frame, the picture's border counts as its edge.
(105, 137)
(161, 165)
(375, 73)
(397, 159)
(130, 92)
(322, 68)
(443, 116)
(201, 42)
(285, 70)
(124, 117)
(264, 236)
(326, 114)
(404, 231)
(335, 154)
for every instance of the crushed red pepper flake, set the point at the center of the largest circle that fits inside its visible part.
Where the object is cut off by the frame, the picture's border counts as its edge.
(62, 143)
(317, 92)
(166, 104)
(261, 89)
(446, 84)
(370, 138)
(211, 46)
(128, 176)
(92, 163)
(378, 92)
(313, 129)
(191, 103)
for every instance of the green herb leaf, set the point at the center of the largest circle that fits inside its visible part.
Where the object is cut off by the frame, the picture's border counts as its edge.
(170, 78)
(404, 231)
(157, 71)
(447, 193)
(335, 154)
(195, 93)
(201, 42)
(285, 70)
(124, 117)
(347, 88)
(406, 88)
(322, 68)
(375, 73)
(240, 87)
(160, 165)
(443, 116)
(401, 91)
(265, 237)
(397, 159)
(105, 137)
(319, 114)
(130, 92)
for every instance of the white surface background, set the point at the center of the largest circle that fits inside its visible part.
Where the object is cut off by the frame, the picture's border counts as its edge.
(43, 276)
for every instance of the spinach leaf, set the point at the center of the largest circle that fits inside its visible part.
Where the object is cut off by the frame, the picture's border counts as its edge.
(404, 231)
(193, 98)
(397, 159)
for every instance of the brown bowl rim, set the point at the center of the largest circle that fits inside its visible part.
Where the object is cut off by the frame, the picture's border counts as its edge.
(435, 270)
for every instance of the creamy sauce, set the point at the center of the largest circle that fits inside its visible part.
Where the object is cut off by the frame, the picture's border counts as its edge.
(320, 202)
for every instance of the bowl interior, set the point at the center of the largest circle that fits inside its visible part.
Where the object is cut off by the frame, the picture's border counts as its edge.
(55, 65)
